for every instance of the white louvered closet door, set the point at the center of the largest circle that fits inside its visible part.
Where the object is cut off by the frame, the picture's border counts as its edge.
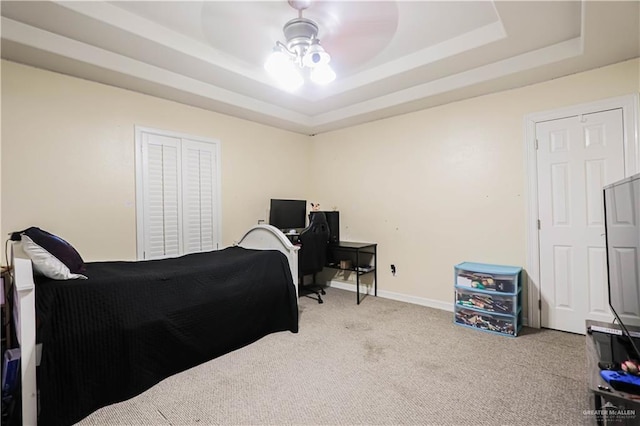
(199, 197)
(178, 206)
(161, 189)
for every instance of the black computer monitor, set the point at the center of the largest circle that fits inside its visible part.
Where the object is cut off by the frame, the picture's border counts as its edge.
(288, 214)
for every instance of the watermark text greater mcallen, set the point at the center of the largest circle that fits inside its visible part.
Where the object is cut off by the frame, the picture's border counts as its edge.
(611, 412)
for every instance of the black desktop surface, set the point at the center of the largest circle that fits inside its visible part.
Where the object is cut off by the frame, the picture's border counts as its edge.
(354, 244)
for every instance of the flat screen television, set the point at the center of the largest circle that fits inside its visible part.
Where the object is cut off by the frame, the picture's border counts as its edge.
(622, 230)
(288, 214)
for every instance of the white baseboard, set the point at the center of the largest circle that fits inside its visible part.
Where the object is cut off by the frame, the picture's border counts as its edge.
(437, 304)
(364, 289)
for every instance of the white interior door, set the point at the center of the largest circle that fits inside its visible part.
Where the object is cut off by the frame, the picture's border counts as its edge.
(576, 157)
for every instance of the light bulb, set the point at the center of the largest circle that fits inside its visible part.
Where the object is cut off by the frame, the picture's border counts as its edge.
(276, 61)
(322, 74)
(283, 70)
(315, 56)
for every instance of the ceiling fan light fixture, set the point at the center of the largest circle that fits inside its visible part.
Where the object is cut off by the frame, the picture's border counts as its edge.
(302, 50)
(285, 72)
(276, 62)
(315, 55)
(322, 74)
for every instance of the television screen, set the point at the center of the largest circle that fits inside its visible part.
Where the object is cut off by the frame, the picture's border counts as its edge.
(288, 214)
(622, 225)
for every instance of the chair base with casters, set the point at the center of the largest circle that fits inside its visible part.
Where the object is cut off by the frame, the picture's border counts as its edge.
(313, 288)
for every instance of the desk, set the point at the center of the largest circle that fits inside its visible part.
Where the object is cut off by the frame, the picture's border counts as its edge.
(603, 394)
(363, 257)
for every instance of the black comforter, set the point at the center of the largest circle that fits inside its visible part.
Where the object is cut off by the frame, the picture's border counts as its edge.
(132, 324)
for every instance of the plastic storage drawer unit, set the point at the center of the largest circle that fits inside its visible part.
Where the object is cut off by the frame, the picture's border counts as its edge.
(489, 302)
(503, 324)
(488, 297)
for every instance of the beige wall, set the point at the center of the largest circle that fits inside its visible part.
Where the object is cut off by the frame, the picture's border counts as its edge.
(68, 160)
(446, 184)
(432, 188)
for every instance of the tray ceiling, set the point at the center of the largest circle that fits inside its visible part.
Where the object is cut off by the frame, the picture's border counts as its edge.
(391, 57)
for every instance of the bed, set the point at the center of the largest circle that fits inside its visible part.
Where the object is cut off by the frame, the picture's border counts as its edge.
(132, 324)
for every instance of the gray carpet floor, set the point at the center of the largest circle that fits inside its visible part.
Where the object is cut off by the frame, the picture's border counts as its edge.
(382, 362)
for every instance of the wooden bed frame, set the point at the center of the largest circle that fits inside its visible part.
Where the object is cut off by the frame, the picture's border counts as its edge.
(260, 237)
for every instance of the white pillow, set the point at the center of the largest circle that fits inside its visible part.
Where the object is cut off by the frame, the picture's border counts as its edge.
(45, 263)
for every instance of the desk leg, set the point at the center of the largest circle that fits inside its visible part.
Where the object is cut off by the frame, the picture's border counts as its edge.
(358, 276)
(375, 271)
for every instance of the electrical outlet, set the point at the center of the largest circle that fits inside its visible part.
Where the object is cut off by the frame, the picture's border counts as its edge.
(393, 270)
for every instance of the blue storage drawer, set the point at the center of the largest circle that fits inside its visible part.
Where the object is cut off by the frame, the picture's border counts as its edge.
(505, 279)
(501, 304)
(488, 297)
(502, 324)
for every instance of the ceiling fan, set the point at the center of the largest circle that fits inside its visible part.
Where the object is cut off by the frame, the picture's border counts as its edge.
(300, 52)
(351, 32)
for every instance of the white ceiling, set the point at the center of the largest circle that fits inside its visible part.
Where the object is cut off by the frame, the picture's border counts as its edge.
(391, 57)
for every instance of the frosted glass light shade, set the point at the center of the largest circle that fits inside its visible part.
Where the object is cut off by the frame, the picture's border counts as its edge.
(315, 56)
(322, 74)
(283, 70)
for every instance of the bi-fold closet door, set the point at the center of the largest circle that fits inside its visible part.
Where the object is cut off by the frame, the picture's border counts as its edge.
(178, 187)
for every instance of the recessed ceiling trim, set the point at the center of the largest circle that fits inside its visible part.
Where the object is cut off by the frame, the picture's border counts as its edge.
(462, 43)
(138, 26)
(547, 55)
(54, 43)
(163, 51)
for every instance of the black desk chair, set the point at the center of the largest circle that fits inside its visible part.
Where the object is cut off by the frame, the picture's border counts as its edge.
(312, 255)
